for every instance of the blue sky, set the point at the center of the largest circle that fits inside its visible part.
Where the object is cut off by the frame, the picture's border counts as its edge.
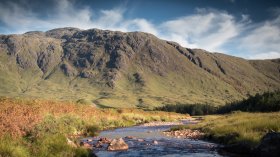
(244, 28)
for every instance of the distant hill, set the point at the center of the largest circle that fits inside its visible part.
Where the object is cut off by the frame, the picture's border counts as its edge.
(130, 69)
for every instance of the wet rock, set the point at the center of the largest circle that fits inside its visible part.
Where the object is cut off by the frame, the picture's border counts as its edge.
(104, 140)
(185, 133)
(130, 137)
(86, 145)
(98, 145)
(117, 144)
(140, 140)
(269, 146)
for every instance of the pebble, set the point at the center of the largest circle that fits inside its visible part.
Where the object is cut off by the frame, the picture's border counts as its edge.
(185, 133)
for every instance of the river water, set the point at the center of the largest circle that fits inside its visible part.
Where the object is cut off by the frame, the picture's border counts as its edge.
(164, 146)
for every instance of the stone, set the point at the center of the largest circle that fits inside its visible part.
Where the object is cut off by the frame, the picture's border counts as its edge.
(155, 142)
(140, 140)
(98, 145)
(130, 137)
(104, 140)
(269, 146)
(86, 145)
(117, 145)
(185, 133)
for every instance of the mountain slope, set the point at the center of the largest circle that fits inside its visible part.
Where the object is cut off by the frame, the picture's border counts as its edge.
(125, 69)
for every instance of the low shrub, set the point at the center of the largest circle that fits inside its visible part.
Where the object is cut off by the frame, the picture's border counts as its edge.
(9, 147)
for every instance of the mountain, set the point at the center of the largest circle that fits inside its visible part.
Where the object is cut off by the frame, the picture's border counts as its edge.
(117, 69)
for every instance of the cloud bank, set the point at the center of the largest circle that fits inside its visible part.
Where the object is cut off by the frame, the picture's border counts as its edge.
(213, 30)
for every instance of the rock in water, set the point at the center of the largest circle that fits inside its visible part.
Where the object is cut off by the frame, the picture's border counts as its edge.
(117, 144)
(270, 145)
(155, 142)
(130, 137)
(104, 140)
(86, 145)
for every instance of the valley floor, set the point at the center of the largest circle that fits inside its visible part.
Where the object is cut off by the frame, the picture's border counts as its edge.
(42, 128)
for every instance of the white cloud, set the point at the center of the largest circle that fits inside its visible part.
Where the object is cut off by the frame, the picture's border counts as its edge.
(263, 41)
(209, 29)
(206, 29)
(20, 20)
(142, 25)
(266, 55)
(109, 18)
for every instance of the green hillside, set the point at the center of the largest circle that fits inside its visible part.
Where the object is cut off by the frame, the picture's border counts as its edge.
(131, 69)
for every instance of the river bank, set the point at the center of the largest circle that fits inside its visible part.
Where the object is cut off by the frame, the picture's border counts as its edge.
(186, 138)
(43, 128)
(51, 128)
(241, 133)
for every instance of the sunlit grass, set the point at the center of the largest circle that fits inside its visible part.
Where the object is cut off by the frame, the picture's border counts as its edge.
(239, 126)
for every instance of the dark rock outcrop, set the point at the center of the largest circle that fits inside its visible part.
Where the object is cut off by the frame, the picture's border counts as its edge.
(238, 149)
(269, 146)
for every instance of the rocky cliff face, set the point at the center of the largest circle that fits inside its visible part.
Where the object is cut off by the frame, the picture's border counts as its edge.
(125, 69)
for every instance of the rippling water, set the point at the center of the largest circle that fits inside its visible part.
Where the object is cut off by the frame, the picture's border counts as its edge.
(165, 146)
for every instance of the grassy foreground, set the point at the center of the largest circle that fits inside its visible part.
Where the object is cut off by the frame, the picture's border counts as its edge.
(238, 127)
(41, 128)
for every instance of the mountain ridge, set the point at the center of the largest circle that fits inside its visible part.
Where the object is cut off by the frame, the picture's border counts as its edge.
(125, 69)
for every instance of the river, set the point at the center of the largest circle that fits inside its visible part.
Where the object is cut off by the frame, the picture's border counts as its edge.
(154, 143)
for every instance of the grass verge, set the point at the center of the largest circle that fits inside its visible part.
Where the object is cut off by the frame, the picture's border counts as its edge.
(237, 127)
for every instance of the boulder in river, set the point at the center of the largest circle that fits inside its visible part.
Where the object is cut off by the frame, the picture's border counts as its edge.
(86, 145)
(104, 140)
(155, 142)
(117, 144)
(269, 146)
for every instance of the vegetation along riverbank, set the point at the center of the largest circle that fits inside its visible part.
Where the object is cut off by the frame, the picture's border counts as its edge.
(42, 128)
(241, 126)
